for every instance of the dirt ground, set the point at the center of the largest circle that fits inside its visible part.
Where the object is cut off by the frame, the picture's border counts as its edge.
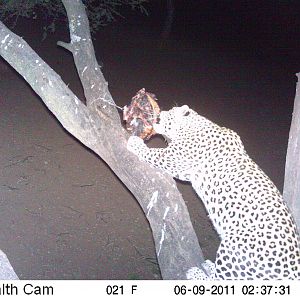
(64, 215)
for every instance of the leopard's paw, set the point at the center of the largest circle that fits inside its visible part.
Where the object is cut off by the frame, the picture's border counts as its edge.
(135, 145)
(196, 273)
(209, 267)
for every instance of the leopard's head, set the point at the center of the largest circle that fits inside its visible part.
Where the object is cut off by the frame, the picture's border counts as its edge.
(170, 122)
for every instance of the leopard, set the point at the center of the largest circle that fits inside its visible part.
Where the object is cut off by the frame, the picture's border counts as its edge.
(257, 232)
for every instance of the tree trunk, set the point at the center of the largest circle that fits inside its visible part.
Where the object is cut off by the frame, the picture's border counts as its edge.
(167, 27)
(6, 270)
(97, 125)
(291, 190)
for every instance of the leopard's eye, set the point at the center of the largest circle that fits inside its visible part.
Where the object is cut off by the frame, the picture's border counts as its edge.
(186, 113)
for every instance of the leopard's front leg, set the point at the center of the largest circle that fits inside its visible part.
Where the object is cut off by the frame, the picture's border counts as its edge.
(150, 155)
(161, 158)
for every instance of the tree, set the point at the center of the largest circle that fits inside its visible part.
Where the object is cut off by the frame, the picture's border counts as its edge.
(291, 189)
(100, 12)
(97, 125)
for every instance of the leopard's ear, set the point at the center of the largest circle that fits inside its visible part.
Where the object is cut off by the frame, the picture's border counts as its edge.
(184, 109)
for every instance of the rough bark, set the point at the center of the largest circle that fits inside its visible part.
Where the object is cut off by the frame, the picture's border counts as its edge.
(97, 125)
(6, 270)
(291, 190)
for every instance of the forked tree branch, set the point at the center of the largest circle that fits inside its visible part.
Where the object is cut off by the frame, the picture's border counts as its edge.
(97, 125)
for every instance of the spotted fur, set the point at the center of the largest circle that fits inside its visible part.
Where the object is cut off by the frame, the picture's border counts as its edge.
(259, 239)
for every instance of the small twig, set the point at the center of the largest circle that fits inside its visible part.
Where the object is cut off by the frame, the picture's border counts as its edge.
(101, 216)
(67, 145)
(20, 161)
(63, 233)
(33, 212)
(11, 188)
(59, 237)
(151, 260)
(43, 147)
(74, 210)
(82, 185)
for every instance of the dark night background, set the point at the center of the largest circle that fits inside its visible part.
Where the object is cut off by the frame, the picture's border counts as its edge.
(63, 213)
